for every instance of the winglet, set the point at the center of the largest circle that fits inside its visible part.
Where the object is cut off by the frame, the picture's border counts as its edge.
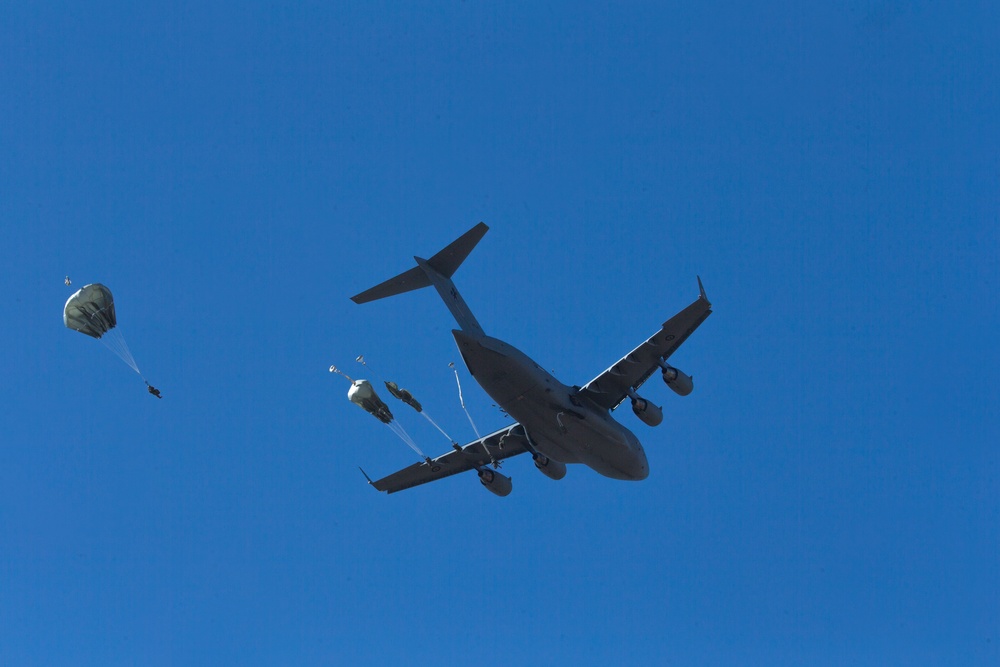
(365, 474)
(701, 288)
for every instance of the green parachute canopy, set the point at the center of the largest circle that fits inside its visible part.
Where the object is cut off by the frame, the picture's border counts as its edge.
(91, 311)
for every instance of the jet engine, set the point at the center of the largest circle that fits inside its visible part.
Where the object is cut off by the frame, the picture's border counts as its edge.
(649, 413)
(496, 482)
(679, 381)
(551, 469)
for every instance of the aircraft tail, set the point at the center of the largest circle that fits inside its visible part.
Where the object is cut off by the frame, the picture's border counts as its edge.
(436, 271)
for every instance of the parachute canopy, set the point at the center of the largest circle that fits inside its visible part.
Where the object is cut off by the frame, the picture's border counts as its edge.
(91, 311)
(404, 396)
(363, 394)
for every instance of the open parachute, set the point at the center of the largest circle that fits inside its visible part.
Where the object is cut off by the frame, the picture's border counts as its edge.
(91, 311)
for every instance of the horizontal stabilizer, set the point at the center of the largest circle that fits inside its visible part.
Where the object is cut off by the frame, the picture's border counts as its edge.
(413, 279)
(445, 263)
(436, 271)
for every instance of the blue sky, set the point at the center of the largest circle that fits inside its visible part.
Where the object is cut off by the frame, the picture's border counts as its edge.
(829, 493)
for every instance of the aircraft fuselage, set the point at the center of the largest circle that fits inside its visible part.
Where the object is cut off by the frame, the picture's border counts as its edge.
(560, 422)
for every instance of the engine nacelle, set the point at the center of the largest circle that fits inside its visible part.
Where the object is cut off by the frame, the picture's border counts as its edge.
(679, 381)
(496, 482)
(650, 414)
(551, 469)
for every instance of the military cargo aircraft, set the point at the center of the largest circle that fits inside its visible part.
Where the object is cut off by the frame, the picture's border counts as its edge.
(556, 424)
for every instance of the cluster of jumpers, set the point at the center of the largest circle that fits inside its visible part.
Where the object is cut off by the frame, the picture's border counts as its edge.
(363, 394)
(556, 424)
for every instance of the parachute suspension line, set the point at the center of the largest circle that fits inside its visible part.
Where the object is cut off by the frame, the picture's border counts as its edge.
(361, 360)
(115, 341)
(127, 353)
(462, 401)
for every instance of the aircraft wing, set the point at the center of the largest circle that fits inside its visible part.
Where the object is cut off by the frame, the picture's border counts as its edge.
(503, 444)
(611, 387)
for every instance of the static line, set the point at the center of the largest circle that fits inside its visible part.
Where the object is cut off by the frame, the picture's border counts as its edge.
(434, 423)
(462, 401)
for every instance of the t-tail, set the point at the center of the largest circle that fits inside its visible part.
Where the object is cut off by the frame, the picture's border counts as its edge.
(436, 271)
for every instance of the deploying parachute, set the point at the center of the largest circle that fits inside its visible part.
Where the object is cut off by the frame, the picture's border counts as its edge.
(404, 396)
(362, 393)
(91, 311)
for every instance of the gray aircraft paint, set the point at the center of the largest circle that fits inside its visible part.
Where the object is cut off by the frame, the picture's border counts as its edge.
(566, 424)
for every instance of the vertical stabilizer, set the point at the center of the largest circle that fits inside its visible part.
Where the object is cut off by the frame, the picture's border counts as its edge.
(449, 294)
(448, 260)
